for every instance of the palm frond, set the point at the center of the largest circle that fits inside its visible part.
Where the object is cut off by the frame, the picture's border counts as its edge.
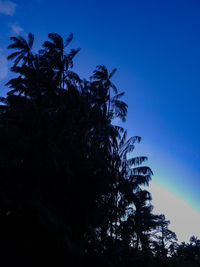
(143, 170)
(138, 180)
(117, 96)
(112, 73)
(22, 40)
(136, 161)
(123, 139)
(73, 53)
(69, 39)
(30, 40)
(54, 37)
(114, 87)
(17, 45)
(13, 55)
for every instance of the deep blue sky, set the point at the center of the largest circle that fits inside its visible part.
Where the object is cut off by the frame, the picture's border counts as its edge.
(155, 45)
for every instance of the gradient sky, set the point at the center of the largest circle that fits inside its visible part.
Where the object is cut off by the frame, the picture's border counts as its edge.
(155, 45)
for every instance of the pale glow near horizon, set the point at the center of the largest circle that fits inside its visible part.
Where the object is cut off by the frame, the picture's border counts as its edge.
(184, 219)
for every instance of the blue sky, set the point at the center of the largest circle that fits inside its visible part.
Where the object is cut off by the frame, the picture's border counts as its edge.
(155, 45)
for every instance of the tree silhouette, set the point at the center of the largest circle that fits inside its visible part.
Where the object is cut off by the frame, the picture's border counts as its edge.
(165, 237)
(25, 50)
(61, 62)
(71, 189)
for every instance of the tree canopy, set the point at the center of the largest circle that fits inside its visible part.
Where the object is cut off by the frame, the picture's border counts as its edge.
(72, 192)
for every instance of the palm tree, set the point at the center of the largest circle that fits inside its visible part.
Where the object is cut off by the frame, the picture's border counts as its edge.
(102, 80)
(60, 61)
(25, 50)
(127, 177)
(143, 218)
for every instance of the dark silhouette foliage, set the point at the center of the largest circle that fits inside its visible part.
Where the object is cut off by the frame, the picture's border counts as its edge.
(71, 191)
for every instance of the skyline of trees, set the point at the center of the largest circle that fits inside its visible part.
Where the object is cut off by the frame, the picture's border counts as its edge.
(71, 189)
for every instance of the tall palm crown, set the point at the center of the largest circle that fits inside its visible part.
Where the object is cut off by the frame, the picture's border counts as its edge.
(59, 60)
(25, 50)
(113, 107)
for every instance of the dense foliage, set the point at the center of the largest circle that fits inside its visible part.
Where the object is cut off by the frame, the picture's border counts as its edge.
(72, 194)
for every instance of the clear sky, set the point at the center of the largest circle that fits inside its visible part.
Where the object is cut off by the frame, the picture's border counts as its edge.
(155, 45)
